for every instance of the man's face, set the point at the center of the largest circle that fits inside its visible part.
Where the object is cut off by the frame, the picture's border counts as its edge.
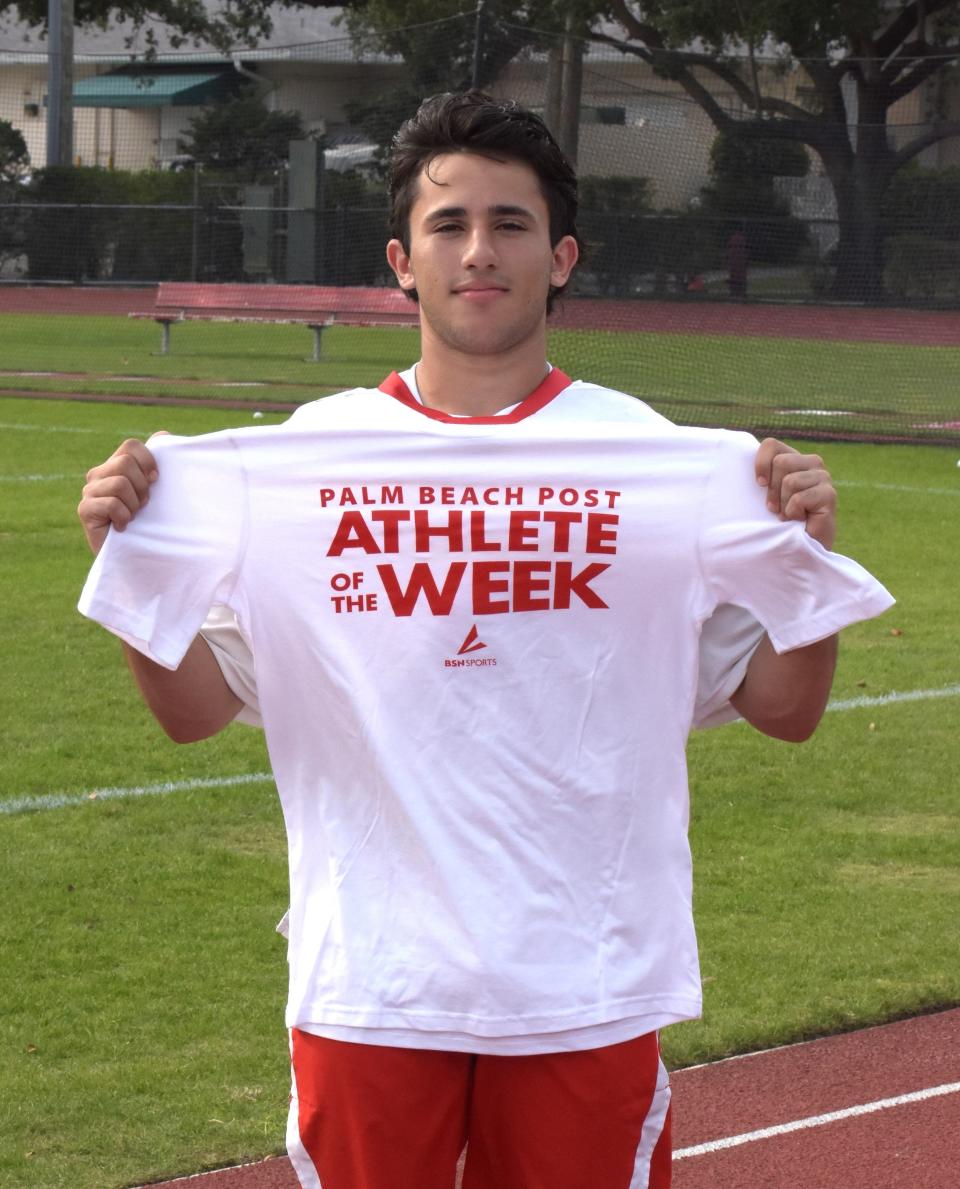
(480, 255)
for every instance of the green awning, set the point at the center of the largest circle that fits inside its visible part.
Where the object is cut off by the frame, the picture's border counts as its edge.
(187, 88)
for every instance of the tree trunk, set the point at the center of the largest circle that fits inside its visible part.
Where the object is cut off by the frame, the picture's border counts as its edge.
(859, 253)
(860, 174)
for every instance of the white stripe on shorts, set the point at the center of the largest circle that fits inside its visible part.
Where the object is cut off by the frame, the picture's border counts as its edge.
(652, 1130)
(303, 1166)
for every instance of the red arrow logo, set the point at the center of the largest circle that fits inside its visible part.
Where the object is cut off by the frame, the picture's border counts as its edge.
(472, 643)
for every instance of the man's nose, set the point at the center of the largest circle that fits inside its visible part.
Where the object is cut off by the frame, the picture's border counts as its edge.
(479, 250)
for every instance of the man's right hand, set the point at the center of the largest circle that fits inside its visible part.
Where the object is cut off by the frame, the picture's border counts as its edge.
(116, 490)
(193, 701)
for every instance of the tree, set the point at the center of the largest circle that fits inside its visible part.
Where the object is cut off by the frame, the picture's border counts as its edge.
(437, 40)
(741, 195)
(14, 158)
(241, 135)
(14, 166)
(244, 21)
(861, 58)
(615, 211)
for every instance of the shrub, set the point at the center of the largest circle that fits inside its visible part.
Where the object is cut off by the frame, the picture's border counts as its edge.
(82, 224)
(741, 196)
(921, 267)
(924, 202)
(613, 225)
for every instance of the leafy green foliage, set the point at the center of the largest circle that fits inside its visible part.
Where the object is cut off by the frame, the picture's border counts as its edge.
(924, 201)
(614, 211)
(14, 157)
(754, 159)
(187, 20)
(923, 268)
(437, 39)
(14, 162)
(240, 137)
(921, 222)
(741, 196)
(866, 45)
(70, 230)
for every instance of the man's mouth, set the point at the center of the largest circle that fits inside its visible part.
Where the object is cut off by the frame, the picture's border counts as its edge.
(486, 291)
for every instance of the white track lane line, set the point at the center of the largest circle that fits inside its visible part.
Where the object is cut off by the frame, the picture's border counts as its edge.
(229, 1168)
(850, 1112)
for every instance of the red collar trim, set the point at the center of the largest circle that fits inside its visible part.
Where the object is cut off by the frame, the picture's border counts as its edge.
(551, 385)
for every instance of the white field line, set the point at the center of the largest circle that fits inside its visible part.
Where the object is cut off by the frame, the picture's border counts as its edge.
(52, 428)
(87, 429)
(30, 804)
(75, 477)
(65, 800)
(850, 1112)
(897, 487)
(910, 695)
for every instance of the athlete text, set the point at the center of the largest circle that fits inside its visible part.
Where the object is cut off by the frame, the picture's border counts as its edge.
(469, 532)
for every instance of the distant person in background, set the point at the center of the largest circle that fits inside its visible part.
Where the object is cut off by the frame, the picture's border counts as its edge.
(737, 264)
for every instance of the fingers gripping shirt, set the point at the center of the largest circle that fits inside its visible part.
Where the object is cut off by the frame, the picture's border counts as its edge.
(185, 548)
(476, 652)
(737, 543)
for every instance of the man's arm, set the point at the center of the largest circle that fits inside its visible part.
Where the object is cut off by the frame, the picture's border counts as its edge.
(785, 695)
(193, 701)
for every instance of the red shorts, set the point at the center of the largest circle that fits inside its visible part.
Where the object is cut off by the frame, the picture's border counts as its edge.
(374, 1117)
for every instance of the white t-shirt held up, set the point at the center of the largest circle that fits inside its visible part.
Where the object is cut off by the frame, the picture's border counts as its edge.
(476, 645)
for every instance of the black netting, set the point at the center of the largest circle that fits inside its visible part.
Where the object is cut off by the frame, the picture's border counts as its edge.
(694, 240)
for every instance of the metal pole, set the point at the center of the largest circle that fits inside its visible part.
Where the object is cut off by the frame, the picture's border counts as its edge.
(477, 47)
(571, 89)
(195, 223)
(554, 87)
(60, 82)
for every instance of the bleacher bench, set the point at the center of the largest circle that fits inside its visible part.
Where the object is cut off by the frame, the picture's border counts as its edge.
(314, 306)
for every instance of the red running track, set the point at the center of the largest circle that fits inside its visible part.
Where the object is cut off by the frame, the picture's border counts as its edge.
(915, 1145)
(826, 323)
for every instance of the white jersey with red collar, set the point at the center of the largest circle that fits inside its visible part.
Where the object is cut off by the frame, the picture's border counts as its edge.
(476, 659)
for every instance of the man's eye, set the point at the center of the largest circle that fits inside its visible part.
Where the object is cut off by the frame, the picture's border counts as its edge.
(447, 227)
(512, 226)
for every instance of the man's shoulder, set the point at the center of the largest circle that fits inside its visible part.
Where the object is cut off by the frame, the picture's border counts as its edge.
(605, 402)
(598, 403)
(326, 410)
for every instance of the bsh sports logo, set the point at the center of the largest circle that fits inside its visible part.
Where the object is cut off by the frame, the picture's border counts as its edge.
(471, 643)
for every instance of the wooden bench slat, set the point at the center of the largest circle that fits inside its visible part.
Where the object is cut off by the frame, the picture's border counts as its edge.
(315, 306)
(307, 299)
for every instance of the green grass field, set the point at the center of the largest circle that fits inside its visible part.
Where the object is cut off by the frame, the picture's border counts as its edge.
(784, 384)
(142, 985)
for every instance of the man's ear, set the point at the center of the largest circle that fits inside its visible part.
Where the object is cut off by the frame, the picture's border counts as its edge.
(565, 256)
(399, 261)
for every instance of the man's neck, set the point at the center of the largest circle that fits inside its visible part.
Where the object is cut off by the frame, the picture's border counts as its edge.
(478, 385)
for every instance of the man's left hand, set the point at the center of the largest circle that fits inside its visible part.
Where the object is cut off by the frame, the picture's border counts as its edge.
(799, 487)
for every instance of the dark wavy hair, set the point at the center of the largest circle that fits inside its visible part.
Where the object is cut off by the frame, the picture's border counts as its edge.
(474, 122)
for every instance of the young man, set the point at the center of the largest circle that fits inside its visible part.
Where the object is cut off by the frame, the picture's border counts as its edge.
(474, 598)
